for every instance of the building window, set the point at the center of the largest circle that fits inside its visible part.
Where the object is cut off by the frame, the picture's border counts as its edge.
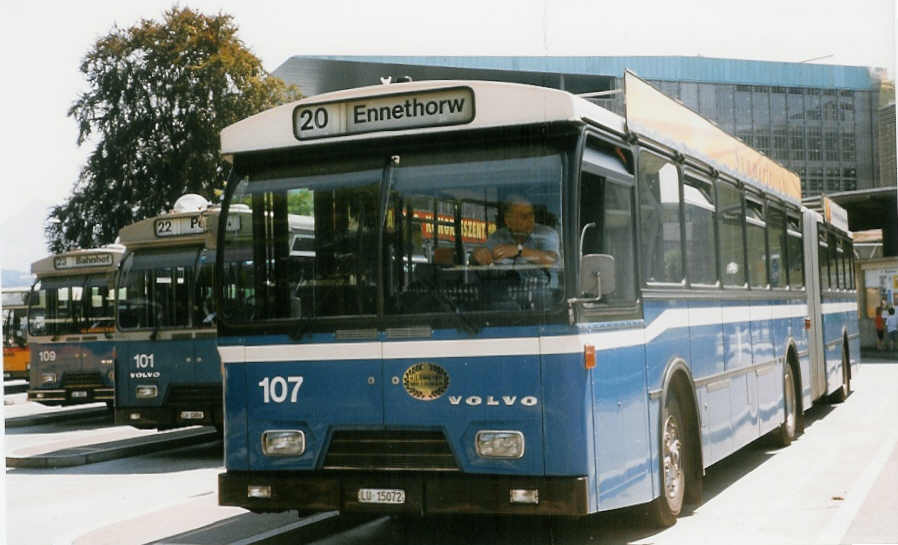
(796, 103)
(830, 105)
(849, 176)
(848, 150)
(832, 179)
(830, 144)
(815, 143)
(812, 105)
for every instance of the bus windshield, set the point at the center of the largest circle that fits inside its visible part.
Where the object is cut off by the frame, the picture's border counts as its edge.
(13, 327)
(71, 305)
(154, 289)
(460, 230)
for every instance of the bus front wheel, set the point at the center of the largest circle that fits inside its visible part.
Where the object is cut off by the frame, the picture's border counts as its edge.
(665, 509)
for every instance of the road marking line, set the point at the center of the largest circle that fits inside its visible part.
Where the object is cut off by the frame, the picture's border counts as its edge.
(845, 514)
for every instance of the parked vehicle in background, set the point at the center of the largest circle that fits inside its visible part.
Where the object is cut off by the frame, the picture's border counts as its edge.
(71, 321)
(15, 341)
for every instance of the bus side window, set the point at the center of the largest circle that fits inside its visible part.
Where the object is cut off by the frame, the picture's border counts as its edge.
(659, 204)
(776, 239)
(730, 226)
(823, 254)
(795, 252)
(699, 212)
(606, 199)
(757, 247)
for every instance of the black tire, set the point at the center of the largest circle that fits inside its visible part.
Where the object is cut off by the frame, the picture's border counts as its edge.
(674, 460)
(787, 431)
(841, 394)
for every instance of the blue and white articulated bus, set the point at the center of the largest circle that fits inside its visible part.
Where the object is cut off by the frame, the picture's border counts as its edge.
(513, 301)
(71, 324)
(168, 373)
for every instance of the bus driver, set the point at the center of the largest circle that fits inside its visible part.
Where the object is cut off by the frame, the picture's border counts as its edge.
(521, 238)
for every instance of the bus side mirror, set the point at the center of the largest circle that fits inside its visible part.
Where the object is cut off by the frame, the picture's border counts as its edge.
(597, 274)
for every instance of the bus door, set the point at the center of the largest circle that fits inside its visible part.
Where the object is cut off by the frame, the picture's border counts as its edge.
(817, 279)
(450, 378)
(324, 371)
(97, 325)
(56, 313)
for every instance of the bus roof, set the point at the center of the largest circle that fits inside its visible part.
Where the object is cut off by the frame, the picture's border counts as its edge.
(172, 229)
(92, 261)
(437, 106)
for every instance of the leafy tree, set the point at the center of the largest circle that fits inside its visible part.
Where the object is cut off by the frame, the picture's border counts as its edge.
(159, 94)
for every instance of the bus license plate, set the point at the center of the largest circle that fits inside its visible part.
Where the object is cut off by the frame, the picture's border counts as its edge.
(79, 393)
(382, 495)
(192, 415)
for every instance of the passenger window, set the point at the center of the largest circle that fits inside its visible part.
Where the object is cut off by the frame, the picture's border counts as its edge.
(659, 204)
(606, 199)
(730, 224)
(776, 239)
(823, 254)
(698, 212)
(757, 250)
(835, 265)
(795, 252)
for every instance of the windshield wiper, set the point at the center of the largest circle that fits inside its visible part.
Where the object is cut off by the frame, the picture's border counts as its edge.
(303, 324)
(386, 186)
(453, 309)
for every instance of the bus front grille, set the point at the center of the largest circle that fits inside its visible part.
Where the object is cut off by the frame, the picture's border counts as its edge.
(390, 451)
(81, 380)
(198, 394)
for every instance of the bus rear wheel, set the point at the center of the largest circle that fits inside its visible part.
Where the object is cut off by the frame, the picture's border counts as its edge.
(841, 394)
(787, 431)
(665, 509)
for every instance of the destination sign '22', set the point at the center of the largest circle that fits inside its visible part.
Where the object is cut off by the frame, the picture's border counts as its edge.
(384, 113)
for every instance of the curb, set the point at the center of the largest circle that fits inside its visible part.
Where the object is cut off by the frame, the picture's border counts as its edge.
(58, 416)
(100, 452)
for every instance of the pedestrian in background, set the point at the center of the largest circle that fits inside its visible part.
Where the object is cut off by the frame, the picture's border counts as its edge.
(892, 327)
(880, 324)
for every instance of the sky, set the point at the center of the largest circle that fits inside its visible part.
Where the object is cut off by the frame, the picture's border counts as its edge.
(43, 44)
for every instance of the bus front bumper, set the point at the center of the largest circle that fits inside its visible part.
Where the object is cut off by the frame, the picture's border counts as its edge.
(165, 418)
(70, 396)
(425, 493)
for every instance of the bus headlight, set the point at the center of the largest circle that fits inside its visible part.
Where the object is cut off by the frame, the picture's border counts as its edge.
(147, 391)
(47, 378)
(499, 444)
(283, 442)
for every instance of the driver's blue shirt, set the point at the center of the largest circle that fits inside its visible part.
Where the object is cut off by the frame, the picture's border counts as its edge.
(541, 238)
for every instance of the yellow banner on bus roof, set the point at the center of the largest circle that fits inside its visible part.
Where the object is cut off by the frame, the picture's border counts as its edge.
(651, 112)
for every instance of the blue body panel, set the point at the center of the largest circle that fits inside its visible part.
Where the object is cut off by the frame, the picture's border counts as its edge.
(190, 365)
(601, 423)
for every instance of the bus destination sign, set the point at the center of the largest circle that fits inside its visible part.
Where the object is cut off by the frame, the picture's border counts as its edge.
(82, 261)
(189, 225)
(384, 113)
(173, 227)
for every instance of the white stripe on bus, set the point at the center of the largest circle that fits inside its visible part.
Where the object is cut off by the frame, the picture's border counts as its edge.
(522, 346)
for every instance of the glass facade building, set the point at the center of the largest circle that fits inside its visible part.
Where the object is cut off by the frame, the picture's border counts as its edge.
(821, 121)
(824, 135)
